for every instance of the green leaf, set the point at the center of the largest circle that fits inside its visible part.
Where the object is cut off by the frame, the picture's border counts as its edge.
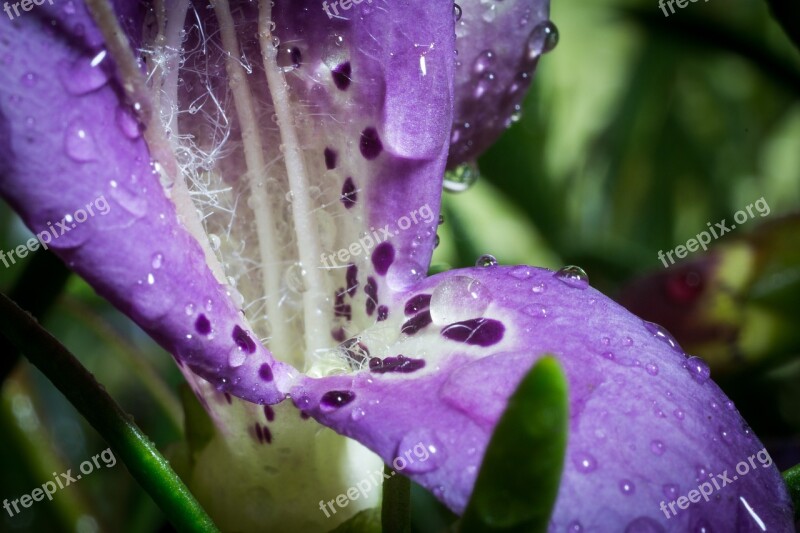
(519, 478)
(396, 506)
(133, 447)
(792, 478)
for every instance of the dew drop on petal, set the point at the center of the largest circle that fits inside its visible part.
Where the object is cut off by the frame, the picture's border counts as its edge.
(421, 450)
(698, 369)
(486, 260)
(574, 276)
(461, 178)
(457, 299)
(78, 143)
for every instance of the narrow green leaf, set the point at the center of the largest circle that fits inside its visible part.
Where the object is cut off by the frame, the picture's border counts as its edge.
(792, 478)
(143, 460)
(396, 507)
(521, 471)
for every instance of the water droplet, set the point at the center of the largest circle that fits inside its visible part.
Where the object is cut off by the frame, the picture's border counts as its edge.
(83, 75)
(128, 198)
(679, 414)
(29, 79)
(573, 276)
(536, 311)
(662, 335)
(78, 143)
(670, 490)
(627, 487)
(421, 450)
(215, 241)
(457, 299)
(482, 63)
(486, 260)
(403, 274)
(542, 39)
(295, 278)
(538, 289)
(158, 261)
(574, 527)
(236, 357)
(69, 8)
(698, 369)
(127, 123)
(652, 369)
(189, 309)
(584, 462)
(461, 178)
(484, 84)
(657, 447)
(457, 12)
(520, 272)
(357, 414)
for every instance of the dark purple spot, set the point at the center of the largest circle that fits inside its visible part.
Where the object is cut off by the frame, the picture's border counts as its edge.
(477, 331)
(356, 351)
(336, 398)
(338, 334)
(265, 372)
(296, 56)
(339, 307)
(269, 412)
(401, 364)
(304, 415)
(330, 158)
(341, 75)
(383, 313)
(370, 145)
(243, 340)
(259, 434)
(202, 325)
(371, 288)
(352, 279)
(349, 193)
(267, 435)
(417, 304)
(228, 398)
(413, 325)
(383, 257)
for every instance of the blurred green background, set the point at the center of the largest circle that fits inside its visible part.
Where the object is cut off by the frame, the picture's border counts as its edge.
(639, 129)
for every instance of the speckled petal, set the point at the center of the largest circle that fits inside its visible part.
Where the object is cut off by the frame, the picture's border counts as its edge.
(72, 158)
(499, 45)
(646, 424)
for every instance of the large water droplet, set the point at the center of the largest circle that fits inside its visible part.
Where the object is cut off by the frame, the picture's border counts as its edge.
(128, 197)
(663, 335)
(127, 123)
(520, 272)
(542, 39)
(457, 299)
(573, 276)
(482, 63)
(421, 450)
(236, 357)
(78, 143)
(698, 369)
(486, 260)
(403, 274)
(295, 278)
(84, 75)
(461, 178)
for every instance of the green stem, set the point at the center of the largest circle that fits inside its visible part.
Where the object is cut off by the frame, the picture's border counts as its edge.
(792, 478)
(133, 447)
(36, 290)
(396, 507)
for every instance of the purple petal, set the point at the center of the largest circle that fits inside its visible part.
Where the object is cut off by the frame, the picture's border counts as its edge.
(72, 155)
(499, 45)
(645, 424)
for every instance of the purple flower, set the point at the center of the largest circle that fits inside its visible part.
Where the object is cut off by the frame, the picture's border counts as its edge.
(273, 177)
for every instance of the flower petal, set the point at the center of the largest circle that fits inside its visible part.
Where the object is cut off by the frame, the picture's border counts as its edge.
(499, 45)
(76, 168)
(646, 423)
